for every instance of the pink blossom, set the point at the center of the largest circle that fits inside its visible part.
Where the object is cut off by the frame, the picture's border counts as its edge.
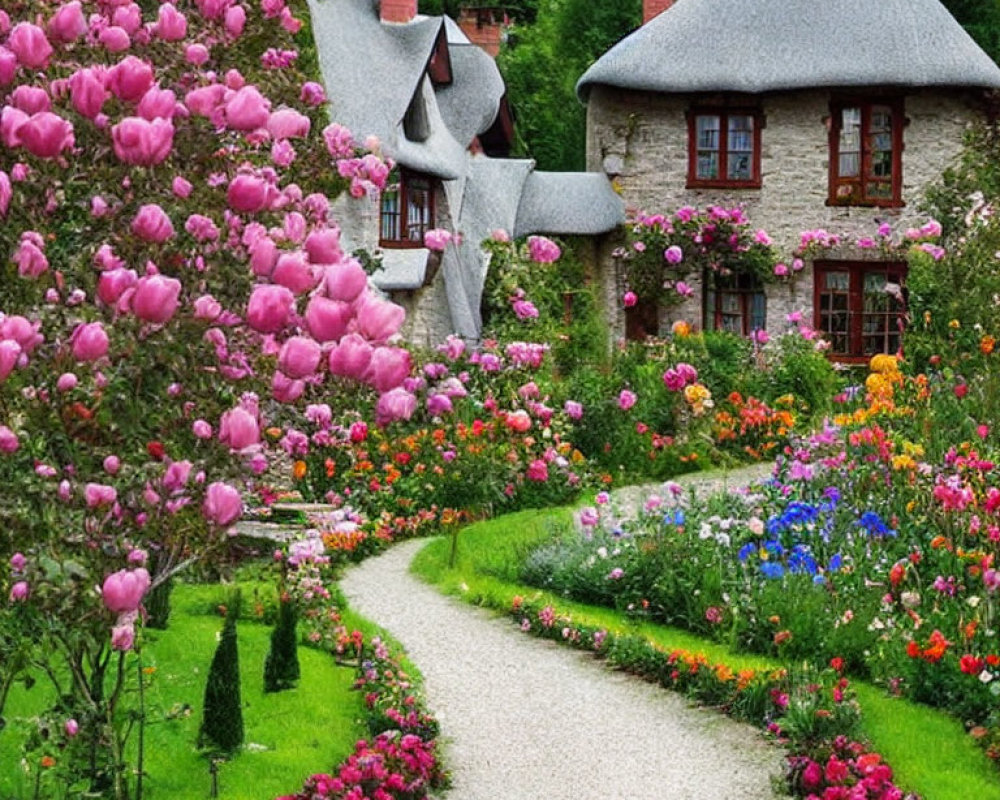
(235, 20)
(176, 476)
(128, 17)
(19, 592)
(201, 228)
(543, 250)
(346, 281)
(9, 443)
(626, 399)
(30, 99)
(45, 134)
(68, 23)
(761, 336)
(6, 193)
(204, 100)
(573, 409)
(247, 194)
(151, 224)
(537, 471)
(142, 142)
(72, 728)
(222, 504)
(338, 139)
(673, 254)
(11, 120)
(207, 308)
(29, 43)
(30, 259)
(388, 367)
(10, 354)
(123, 636)
(247, 109)
(87, 92)
(380, 319)
(99, 494)
(157, 102)
(294, 271)
(112, 464)
(629, 299)
(312, 94)
(285, 389)
(683, 289)
(89, 341)
(196, 54)
(437, 239)
(171, 24)
(156, 298)
(115, 39)
(201, 429)
(287, 123)
(327, 319)
(238, 428)
(396, 404)
(299, 357)
(114, 283)
(130, 79)
(351, 357)
(781, 270)
(323, 247)
(8, 66)
(181, 187)
(524, 309)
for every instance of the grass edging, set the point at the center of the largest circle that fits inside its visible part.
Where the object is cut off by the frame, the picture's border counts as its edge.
(929, 751)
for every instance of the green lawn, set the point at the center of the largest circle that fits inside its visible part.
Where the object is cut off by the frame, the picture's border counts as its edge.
(289, 735)
(928, 750)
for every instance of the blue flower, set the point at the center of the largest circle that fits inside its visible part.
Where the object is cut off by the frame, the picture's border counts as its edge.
(674, 518)
(746, 551)
(835, 563)
(772, 570)
(873, 523)
(801, 560)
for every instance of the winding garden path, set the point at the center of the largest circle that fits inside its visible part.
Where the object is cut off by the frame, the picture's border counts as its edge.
(526, 719)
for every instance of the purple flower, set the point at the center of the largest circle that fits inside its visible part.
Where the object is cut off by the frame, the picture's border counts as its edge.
(673, 254)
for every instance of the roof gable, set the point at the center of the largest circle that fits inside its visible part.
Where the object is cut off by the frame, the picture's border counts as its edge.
(772, 45)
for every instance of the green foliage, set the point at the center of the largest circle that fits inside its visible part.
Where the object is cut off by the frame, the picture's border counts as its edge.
(541, 69)
(222, 720)
(281, 668)
(981, 18)
(521, 11)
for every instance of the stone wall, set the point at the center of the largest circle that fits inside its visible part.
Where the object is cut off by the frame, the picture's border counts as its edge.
(641, 140)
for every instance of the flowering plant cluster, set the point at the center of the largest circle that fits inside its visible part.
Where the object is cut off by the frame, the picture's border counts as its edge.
(663, 251)
(400, 761)
(173, 284)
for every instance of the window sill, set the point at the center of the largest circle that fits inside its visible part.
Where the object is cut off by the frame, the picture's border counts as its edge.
(696, 184)
(399, 244)
(834, 203)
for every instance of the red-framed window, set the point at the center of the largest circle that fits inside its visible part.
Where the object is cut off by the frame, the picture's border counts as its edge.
(724, 148)
(734, 303)
(859, 306)
(866, 153)
(407, 211)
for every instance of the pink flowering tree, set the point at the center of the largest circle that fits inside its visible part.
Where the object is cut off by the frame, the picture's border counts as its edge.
(174, 285)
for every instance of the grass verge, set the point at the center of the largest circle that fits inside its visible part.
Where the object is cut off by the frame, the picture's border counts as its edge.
(929, 751)
(289, 735)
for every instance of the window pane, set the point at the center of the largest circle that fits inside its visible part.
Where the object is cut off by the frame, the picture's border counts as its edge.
(740, 133)
(708, 165)
(850, 143)
(390, 215)
(708, 132)
(758, 311)
(836, 281)
(738, 166)
(418, 210)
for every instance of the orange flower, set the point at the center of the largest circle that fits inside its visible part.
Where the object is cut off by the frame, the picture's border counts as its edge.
(48, 761)
(299, 470)
(986, 344)
(782, 636)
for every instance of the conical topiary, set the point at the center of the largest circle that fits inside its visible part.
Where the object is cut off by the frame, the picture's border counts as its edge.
(222, 722)
(281, 668)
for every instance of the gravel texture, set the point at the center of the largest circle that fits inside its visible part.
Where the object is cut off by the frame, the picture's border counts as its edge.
(526, 719)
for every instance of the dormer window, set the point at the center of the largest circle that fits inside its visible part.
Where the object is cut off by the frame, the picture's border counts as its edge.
(866, 153)
(724, 148)
(407, 211)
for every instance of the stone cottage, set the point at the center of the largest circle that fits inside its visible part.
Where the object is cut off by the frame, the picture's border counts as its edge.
(809, 114)
(437, 103)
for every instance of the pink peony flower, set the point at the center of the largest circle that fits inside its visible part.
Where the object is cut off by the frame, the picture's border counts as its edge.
(629, 299)
(87, 92)
(543, 250)
(351, 358)
(130, 79)
(294, 272)
(72, 728)
(345, 281)
(8, 66)
(247, 109)
(30, 259)
(45, 134)
(68, 23)
(156, 298)
(204, 100)
(537, 471)
(196, 54)
(207, 308)
(388, 368)
(247, 194)
(299, 357)
(235, 20)
(67, 382)
(112, 464)
(285, 389)
(626, 399)
(269, 308)
(89, 341)
(222, 504)
(151, 224)
(673, 254)
(380, 319)
(323, 246)
(437, 239)
(171, 24)
(6, 193)
(327, 319)
(287, 123)
(397, 404)
(141, 142)
(123, 636)
(30, 99)
(19, 592)
(238, 428)
(312, 94)
(157, 102)
(573, 409)
(98, 495)
(201, 429)
(29, 43)
(114, 283)
(683, 289)
(115, 39)
(9, 443)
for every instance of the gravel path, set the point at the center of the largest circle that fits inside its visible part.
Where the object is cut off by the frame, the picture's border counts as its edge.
(526, 719)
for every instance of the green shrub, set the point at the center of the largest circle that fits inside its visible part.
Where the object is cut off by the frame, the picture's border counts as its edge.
(281, 668)
(222, 721)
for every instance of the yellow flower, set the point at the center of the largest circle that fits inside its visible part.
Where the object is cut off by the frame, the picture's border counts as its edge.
(681, 329)
(884, 364)
(299, 470)
(954, 324)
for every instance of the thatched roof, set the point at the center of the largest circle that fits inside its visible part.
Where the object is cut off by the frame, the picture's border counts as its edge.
(759, 46)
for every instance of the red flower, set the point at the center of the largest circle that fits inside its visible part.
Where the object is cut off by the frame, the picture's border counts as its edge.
(971, 665)
(837, 664)
(155, 450)
(961, 390)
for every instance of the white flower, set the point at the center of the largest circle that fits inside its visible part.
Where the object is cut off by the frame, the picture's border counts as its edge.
(985, 676)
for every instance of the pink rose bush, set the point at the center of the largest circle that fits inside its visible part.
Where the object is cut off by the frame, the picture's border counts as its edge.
(177, 287)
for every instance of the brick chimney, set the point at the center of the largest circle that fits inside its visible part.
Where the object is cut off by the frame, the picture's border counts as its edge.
(650, 8)
(483, 26)
(398, 10)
